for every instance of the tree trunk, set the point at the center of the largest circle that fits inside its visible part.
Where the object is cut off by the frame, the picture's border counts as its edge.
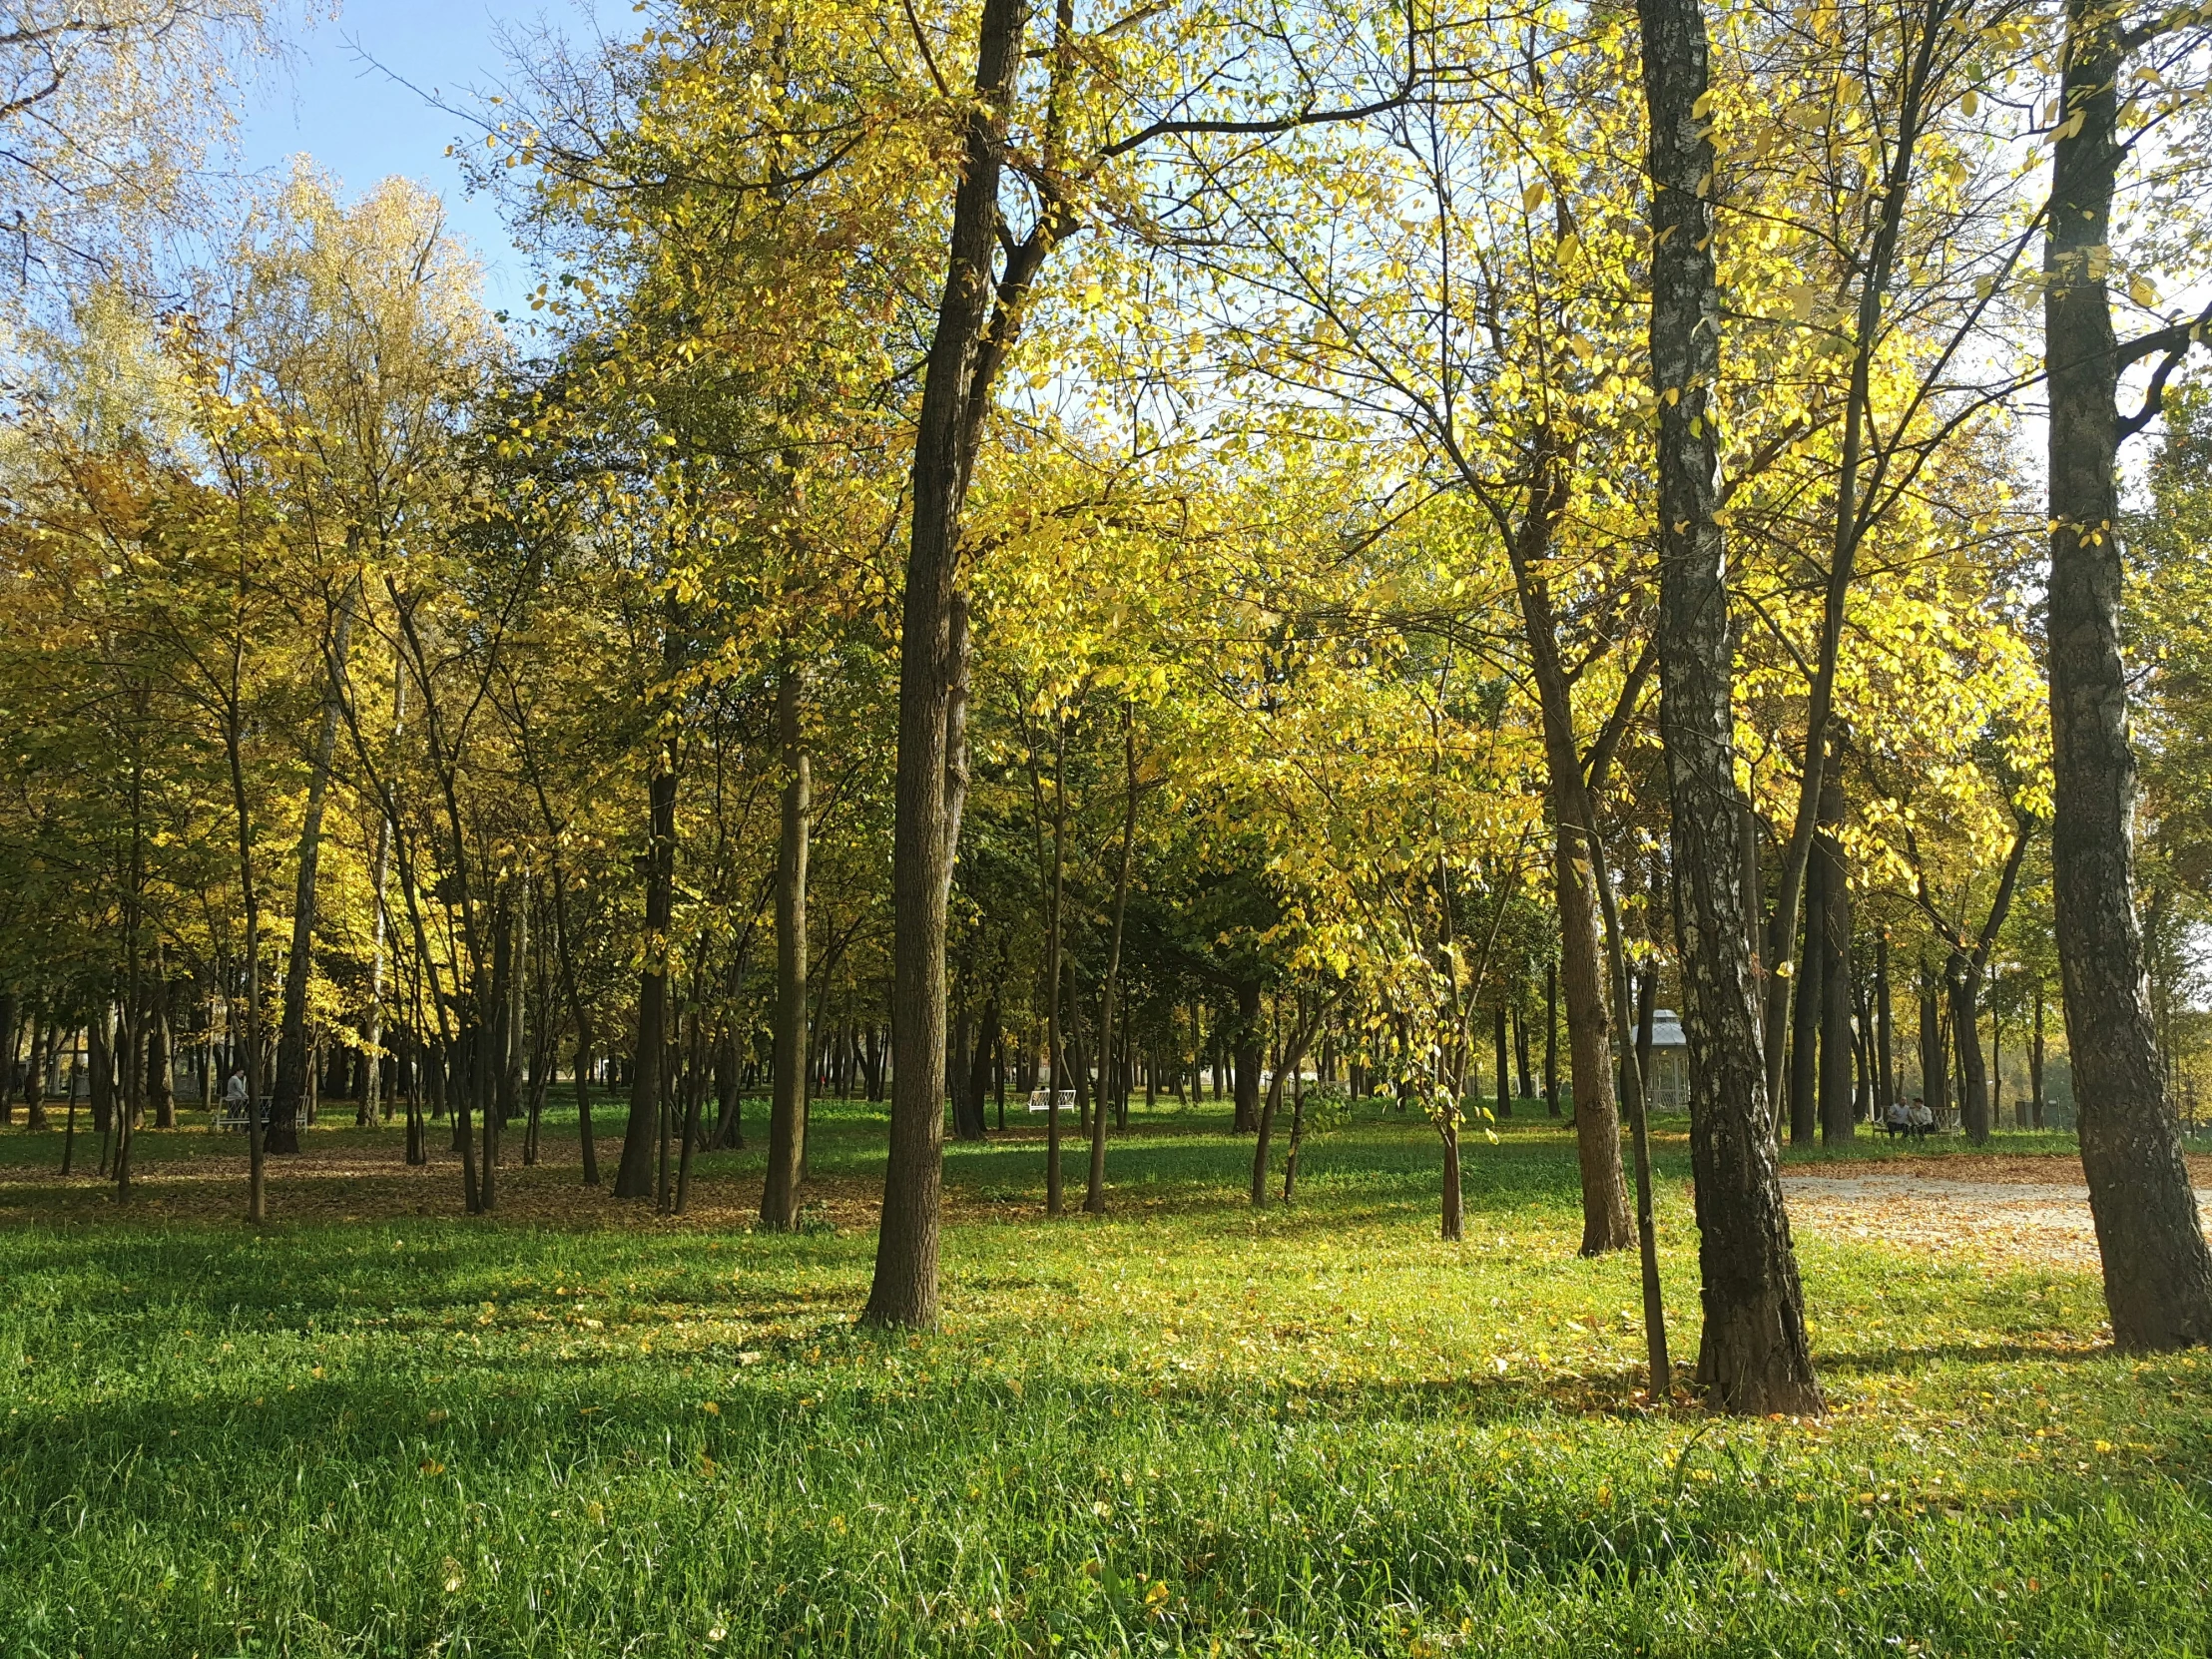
(2157, 1272)
(787, 1128)
(1504, 1078)
(1527, 1089)
(2036, 1063)
(634, 1175)
(1934, 1064)
(161, 1070)
(1249, 1049)
(1804, 1012)
(1111, 1056)
(1884, 1070)
(977, 1085)
(100, 1058)
(1755, 1357)
(1551, 1050)
(1597, 1123)
(1839, 1119)
(932, 782)
(1455, 1208)
(291, 1041)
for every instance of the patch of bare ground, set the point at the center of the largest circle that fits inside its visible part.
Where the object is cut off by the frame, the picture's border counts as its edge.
(357, 1182)
(2013, 1210)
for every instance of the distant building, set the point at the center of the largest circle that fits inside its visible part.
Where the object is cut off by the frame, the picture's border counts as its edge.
(1670, 1063)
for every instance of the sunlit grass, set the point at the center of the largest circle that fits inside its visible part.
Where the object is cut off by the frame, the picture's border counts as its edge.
(1189, 1427)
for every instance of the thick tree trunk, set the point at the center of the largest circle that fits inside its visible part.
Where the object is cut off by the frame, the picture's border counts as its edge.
(1248, 1053)
(293, 1059)
(2157, 1272)
(787, 1128)
(931, 781)
(1755, 1357)
(634, 1175)
(1934, 1063)
(1962, 981)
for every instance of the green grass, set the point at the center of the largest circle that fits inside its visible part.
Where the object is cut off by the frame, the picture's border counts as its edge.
(1188, 1428)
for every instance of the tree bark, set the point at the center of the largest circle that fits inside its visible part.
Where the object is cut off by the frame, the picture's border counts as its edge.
(1504, 1076)
(1247, 1054)
(2157, 1270)
(1884, 1070)
(932, 782)
(786, 1133)
(2036, 1063)
(1580, 974)
(1110, 1056)
(1804, 1013)
(291, 1039)
(1755, 1357)
(1839, 1119)
(634, 1175)
(1551, 1050)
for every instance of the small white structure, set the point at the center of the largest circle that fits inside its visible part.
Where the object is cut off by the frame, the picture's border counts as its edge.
(1669, 1081)
(1040, 1100)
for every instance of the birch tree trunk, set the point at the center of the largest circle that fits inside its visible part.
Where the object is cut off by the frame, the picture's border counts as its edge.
(1755, 1357)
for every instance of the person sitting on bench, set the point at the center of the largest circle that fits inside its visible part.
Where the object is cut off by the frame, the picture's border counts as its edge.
(1899, 1119)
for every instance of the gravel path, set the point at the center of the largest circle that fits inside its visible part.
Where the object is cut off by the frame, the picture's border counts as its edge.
(2020, 1208)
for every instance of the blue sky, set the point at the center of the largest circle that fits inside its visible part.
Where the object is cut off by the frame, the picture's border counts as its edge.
(361, 125)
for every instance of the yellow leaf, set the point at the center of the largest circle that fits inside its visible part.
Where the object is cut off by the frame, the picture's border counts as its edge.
(1533, 196)
(1969, 103)
(2142, 290)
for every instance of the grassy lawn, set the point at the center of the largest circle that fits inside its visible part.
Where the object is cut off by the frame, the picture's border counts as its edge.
(577, 1430)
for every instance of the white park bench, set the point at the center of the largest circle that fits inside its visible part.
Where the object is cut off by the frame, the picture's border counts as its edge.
(1040, 1100)
(231, 1114)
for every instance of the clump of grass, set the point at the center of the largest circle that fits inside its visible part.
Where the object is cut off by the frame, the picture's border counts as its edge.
(1188, 1428)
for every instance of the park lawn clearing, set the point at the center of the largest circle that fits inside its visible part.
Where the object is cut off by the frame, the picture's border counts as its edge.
(1188, 1428)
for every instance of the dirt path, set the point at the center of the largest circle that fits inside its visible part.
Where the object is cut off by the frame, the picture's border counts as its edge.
(2023, 1209)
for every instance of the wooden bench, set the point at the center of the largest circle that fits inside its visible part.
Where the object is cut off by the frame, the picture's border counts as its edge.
(1040, 1100)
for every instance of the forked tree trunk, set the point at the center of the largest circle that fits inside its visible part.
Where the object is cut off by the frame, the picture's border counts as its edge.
(292, 1057)
(931, 783)
(1581, 972)
(1755, 1357)
(2157, 1272)
(787, 1122)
